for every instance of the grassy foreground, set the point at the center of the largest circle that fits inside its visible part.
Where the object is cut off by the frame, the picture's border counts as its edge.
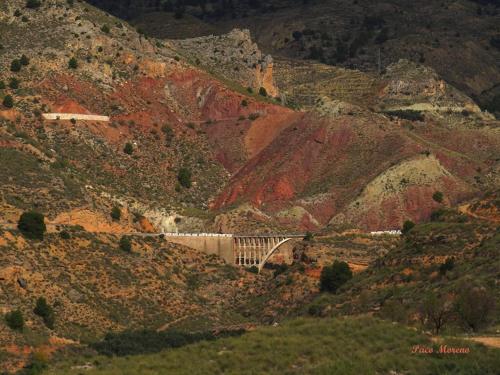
(359, 345)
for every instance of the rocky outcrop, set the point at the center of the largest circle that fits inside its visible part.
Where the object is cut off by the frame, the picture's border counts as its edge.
(414, 87)
(233, 56)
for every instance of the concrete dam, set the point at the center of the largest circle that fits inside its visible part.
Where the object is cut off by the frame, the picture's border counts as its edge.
(241, 250)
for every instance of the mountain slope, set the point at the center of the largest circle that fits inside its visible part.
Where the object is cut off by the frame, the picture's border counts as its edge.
(367, 35)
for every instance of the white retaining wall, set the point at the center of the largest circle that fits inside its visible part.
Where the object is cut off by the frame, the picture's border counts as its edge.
(76, 116)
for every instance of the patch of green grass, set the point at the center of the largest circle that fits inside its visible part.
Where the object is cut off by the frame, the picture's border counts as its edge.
(344, 346)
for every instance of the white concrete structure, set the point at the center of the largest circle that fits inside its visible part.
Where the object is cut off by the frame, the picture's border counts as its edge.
(74, 116)
(242, 250)
(389, 232)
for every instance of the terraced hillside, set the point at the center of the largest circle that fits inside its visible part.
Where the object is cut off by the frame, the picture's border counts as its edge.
(304, 83)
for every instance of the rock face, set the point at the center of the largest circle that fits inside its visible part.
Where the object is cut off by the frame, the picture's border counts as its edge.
(361, 170)
(233, 56)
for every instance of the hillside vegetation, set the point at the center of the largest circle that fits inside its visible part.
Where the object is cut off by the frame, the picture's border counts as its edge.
(306, 346)
(452, 259)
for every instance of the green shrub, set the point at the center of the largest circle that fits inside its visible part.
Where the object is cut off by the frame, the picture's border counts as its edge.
(15, 320)
(438, 197)
(24, 60)
(281, 268)
(125, 244)
(65, 235)
(14, 83)
(2, 85)
(407, 226)
(169, 133)
(116, 213)
(253, 269)
(446, 266)
(105, 29)
(44, 310)
(334, 276)
(184, 178)
(32, 225)
(128, 149)
(148, 341)
(8, 101)
(33, 4)
(438, 215)
(15, 65)
(73, 63)
(309, 236)
(297, 35)
(244, 103)
(262, 91)
(407, 114)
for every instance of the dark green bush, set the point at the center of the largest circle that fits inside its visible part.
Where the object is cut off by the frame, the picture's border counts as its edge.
(407, 226)
(24, 60)
(15, 320)
(438, 215)
(146, 341)
(407, 114)
(446, 266)
(309, 236)
(184, 177)
(253, 269)
(73, 63)
(334, 276)
(15, 66)
(297, 35)
(116, 213)
(262, 91)
(45, 311)
(438, 197)
(33, 4)
(65, 235)
(279, 269)
(125, 244)
(105, 29)
(8, 101)
(128, 149)
(2, 85)
(32, 225)
(14, 83)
